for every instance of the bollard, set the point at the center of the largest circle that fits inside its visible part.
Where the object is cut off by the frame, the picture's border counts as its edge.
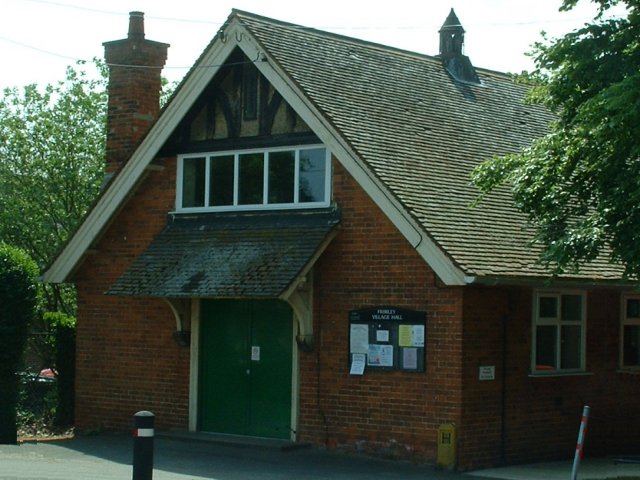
(143, 445)
(581, 434)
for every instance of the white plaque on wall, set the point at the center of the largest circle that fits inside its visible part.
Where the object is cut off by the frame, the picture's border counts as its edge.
(487, 372)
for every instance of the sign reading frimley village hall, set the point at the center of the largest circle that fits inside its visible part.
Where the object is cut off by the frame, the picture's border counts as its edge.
(386, 338)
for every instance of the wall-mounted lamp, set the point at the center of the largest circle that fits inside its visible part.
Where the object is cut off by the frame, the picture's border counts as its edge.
(182, 337)
(305, 343)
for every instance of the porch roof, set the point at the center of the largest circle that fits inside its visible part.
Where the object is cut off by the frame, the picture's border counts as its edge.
(250, 255)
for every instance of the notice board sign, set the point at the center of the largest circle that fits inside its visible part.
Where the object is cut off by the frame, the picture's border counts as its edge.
(387, 338)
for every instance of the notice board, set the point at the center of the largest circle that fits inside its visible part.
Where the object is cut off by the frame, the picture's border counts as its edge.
(387, 338)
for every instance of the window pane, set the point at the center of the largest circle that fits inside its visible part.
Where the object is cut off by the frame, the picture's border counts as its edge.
(631, 346)
(281, 176)
(312, 175)
(546, 347)
(251, 179)
(570, 347)
(193, 173)
(633, 308)
(221, 181)
(571, 307)
(548, 307)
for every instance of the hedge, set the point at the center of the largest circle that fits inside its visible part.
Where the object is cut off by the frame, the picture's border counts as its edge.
(18, 303)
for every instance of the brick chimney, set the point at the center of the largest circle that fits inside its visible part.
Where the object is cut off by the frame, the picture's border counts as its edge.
(135, 65)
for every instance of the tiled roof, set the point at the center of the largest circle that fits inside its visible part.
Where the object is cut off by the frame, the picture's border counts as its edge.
(228, 255)
(420, 132)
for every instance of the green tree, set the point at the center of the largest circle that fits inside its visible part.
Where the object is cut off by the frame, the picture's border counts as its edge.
(52, 144)
(580, 184)
(18, 303)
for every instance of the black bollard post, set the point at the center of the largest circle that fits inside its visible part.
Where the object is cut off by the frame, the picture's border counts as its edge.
(143, 445)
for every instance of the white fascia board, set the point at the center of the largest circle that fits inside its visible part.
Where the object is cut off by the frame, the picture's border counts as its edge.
(442, 265)
(127, 179)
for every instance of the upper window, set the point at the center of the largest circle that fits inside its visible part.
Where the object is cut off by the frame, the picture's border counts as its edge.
(558, 332)
(254, 179)
(630, 342)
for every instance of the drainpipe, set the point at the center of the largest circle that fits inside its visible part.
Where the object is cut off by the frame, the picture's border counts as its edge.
(503, 393)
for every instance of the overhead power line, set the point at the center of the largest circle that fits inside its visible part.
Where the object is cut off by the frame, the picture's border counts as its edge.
(121, 14)
(41, 50)
(541, 22)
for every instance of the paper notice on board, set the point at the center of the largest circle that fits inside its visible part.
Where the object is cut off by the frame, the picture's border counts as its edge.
(411, 335)
(404, 335)
(357, 364)
(382, 335)
(417, 332)
(410, 358)
(359, 338)
(380, 355)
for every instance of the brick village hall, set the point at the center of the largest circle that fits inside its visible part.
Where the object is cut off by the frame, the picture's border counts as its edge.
(288, 250)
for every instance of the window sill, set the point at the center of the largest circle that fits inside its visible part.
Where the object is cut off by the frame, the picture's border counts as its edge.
(251, 208)
(559, 374)
(629, 371)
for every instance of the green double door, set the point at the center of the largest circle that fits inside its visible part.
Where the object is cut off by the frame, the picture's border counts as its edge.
(246, 367)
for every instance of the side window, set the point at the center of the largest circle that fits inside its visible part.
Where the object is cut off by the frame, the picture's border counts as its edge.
(558, 332)
(630, 328)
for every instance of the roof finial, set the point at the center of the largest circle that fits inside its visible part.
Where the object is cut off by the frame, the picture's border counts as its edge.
(451, 42)
(451, 36)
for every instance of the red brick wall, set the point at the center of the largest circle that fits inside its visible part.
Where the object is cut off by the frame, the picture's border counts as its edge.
(614, 426)
(128, 361)
(370, 263)
(541, 415)
(480, 429)
(126, 358)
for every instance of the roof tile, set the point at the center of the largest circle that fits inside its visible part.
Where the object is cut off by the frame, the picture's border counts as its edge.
(421, 133)
(228, 255)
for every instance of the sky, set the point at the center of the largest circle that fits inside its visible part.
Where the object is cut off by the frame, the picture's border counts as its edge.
(40, 38)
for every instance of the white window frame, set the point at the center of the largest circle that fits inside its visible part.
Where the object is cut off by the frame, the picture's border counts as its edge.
(624, 321)
(296, 204)
(558, 323)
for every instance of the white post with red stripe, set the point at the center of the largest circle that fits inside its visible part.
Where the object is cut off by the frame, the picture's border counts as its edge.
(581, 434)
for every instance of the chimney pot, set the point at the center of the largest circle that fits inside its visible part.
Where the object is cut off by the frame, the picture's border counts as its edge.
(136, 25)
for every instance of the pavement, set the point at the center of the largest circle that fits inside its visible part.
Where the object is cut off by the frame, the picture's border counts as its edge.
(611, 468)
(108, 457)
